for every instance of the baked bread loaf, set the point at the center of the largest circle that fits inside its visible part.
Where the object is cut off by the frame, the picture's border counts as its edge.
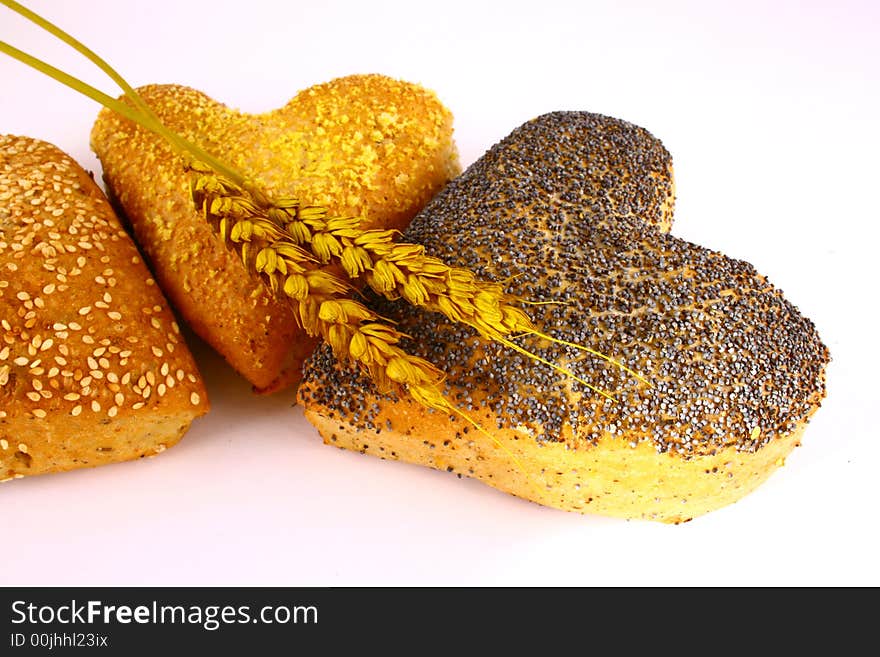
(571, 209)
(93, 368)
(362, 145)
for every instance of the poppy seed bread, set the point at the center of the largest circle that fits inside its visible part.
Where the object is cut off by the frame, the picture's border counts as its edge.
(570, 211)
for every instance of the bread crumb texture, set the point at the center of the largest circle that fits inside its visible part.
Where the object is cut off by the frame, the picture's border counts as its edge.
(93, 368)
(572, 211)
(363, 145)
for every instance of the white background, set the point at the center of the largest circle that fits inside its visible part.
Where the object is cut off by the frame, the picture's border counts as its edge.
(770, 112)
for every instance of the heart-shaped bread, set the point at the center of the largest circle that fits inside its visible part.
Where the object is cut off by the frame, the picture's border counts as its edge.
(362, 145)
(93, 368)
(570, 210)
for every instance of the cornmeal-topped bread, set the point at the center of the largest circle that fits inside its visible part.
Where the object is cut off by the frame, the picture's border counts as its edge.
(364, 145)
(570, 211)
(93, 368)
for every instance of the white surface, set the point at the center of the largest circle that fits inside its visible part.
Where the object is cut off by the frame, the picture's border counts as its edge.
(770, 111)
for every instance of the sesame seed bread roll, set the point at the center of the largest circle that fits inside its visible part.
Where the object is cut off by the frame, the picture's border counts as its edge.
(93, 368)
(362, 145)
(572, 209)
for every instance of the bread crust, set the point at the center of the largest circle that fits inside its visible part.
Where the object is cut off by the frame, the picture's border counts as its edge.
(361, 145)
(93, 368)
(610, 477)
(571, 209)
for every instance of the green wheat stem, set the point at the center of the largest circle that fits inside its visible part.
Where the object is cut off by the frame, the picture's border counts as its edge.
(72, 82)
(82, 49)
(143, 115)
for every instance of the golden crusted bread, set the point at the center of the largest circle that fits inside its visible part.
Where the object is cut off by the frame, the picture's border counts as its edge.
(571, 208)
(362, 145)
(93, 368)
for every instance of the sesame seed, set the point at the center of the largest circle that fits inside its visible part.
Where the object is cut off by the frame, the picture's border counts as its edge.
(194, 398)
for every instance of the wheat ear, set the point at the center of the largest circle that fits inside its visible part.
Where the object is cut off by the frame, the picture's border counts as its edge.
(398, 270)
(354, 332)
(255, 228)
